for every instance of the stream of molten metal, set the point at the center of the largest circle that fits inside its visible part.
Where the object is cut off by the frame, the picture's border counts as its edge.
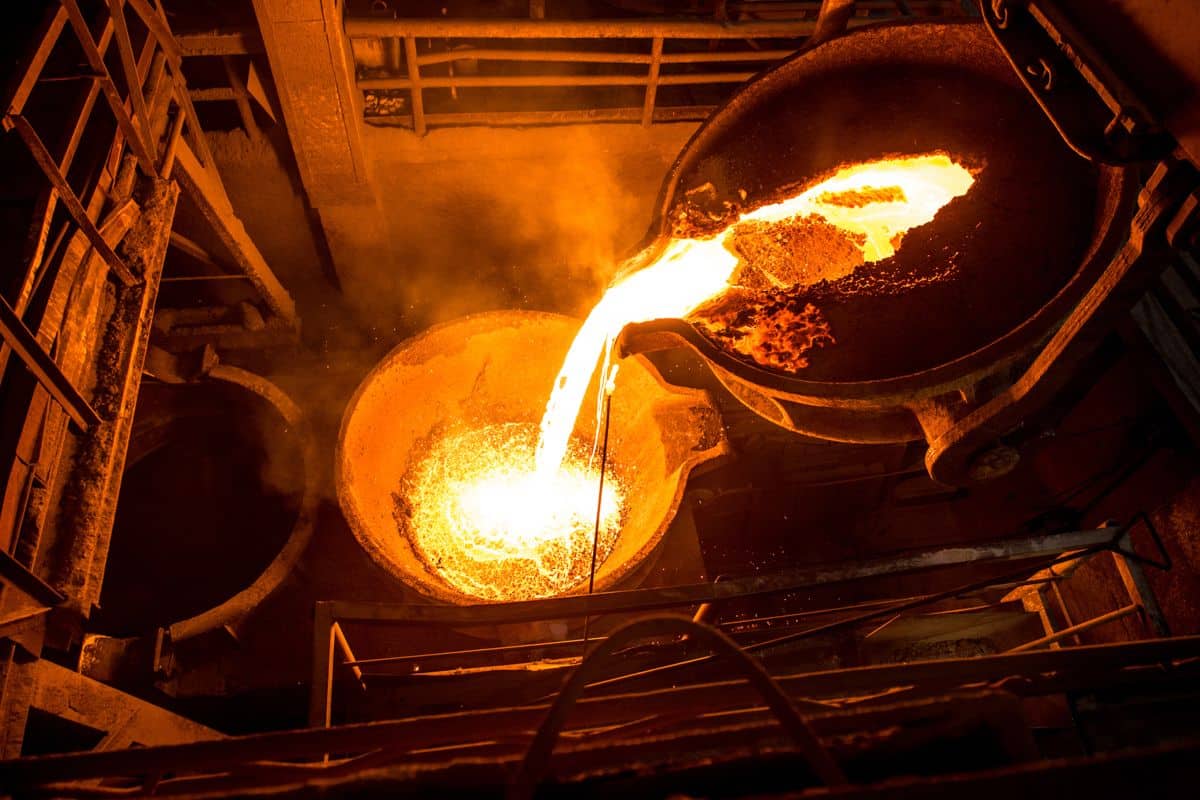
(910, 192)
(501, 522)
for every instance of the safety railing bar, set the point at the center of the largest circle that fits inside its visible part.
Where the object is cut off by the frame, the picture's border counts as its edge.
(548, 81)
(116, 103)
(414, 84)
(652, 80)
(44, 368)
(593, 57)
(132, 71)
(47, 37)
(69, 199)
(446, 28)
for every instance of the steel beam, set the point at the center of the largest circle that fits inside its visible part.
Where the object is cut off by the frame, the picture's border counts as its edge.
(634, 600)
(44, 368)
(1087, 663)
(379, 27)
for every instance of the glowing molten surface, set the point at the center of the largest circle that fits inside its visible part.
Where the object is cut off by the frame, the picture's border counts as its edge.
(880, 201)
(500, 517)
(495, 529)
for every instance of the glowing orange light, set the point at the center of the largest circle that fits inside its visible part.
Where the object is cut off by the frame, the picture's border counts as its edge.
(500, 517)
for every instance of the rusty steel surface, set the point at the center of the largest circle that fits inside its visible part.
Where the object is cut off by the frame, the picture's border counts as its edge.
(1034, 230)
(956, 450)
(498, 367)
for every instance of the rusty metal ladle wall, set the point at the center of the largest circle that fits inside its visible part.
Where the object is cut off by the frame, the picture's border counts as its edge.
(499, 367)
(1029, 241)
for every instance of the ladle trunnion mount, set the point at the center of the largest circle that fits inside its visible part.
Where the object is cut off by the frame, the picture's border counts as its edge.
(1051, 246)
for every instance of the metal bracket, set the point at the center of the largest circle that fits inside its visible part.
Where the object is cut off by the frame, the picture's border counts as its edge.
(1163, 559)
(1093, 110)
(953, 457)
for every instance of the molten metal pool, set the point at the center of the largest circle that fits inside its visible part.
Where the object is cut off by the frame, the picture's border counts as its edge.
(436, 469)
(497, 529)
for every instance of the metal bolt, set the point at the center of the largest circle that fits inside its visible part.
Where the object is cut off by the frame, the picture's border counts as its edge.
(1000, 459)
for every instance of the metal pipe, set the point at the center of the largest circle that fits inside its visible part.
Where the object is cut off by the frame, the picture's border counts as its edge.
(378, 27)
(413, 83)
(538, 81)
(634, 600)
(1058, 636)
(661, 114)
(652, 81)
(67, 195)
(343, 644)
(835, 625)
(44, 368)
(1088, 663)
(588, 57)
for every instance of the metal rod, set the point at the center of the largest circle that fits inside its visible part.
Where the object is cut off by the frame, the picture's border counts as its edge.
(222, 754)
(156, 23)
(187, 278)
(587, 620)
(184, 98)
(378, 27)
(661, 114)
(240, 97)
(592, 57)
(512, 648)
(477, 651)
(69, 199)
(168, 161)
(1058, 636)
(656, 49)
(47, 37)
(837, 624)
(344, 645)
(413, 84)
(115, 103)
(44, 368)
(539, 81)
(1062, 607)
(216, 94)
(1139, 589)
(133, 79)
(650, 599)
(320, 701)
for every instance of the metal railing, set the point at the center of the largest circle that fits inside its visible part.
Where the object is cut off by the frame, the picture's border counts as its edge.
(1056, 556)
(644, 54)
(150, 111)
